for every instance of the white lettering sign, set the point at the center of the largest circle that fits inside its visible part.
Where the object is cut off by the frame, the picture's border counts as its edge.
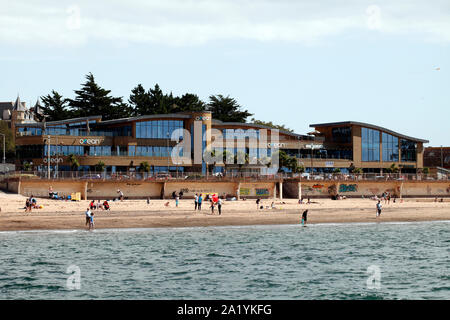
(89, 141)
(53, 160)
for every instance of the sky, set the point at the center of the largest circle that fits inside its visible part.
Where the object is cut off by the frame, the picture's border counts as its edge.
(292, 62)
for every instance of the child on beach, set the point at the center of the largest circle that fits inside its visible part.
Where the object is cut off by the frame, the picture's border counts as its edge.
(219, 206)
(200, 199)
(177, 199)
(212, 206)
(304, 217)
(120, 194)
(91, 222)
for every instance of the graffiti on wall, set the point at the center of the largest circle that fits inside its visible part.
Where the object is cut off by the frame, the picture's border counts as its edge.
(262, 192)
(348, 188)
(317, 186)
(332, 189)
(244, 191)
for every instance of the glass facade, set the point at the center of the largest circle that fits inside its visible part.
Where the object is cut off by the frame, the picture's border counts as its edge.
(342, 134)
(389, 147)
(30, 131)
(158, 129)
(370, 144)
(64, 150)
(408, 150)
(100, 150)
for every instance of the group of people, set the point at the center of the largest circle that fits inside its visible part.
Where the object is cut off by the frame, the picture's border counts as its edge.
(89, 219)
(214, 201)
(30, 203)
(97, 206)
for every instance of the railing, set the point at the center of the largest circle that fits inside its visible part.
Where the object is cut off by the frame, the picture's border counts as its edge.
(229, 176)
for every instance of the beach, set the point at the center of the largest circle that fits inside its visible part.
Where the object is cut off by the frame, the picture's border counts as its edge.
(60, 214)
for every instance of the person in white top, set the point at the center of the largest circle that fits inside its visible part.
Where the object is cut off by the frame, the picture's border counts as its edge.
(196, 201)
(219, 206)
(88, 216)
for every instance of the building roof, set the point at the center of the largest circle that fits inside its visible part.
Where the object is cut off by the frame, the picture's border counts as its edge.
(18, 105)
(150, 116)
(367, 125)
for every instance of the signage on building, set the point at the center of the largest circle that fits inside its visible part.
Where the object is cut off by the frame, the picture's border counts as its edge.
(314, 146)
(329, 164)
(276, 145)
(53, 160)
(89, 141)
(204, 118)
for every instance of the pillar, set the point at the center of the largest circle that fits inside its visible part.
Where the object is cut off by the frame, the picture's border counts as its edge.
(238, 191)
(281, 190)
(299, 190)
(84, 191)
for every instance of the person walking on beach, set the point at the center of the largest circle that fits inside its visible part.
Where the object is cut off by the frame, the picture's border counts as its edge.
(177, 199)
(196, 201)
(257, 203)
(219, 206)
(379, 206)
(120, 194)
(148, 200)
(88, 216)
(212, 206)
(304, 217)
(200, 199)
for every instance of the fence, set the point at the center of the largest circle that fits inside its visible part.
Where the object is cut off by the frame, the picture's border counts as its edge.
(229, 176)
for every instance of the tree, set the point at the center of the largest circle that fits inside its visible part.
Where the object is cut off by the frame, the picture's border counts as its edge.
(337, 170)
(55, 107)
(188, 103)
(226, 109)
(144, 166)
(392, 169)
(426, 170)
(73, 161)
(357, 171)
(100, 166)
(10, 148)
(26, 166)
(93, 100)
(271, 125)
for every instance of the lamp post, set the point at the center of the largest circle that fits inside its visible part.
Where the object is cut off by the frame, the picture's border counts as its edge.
(4, 147)
(168, 152)
(48, 158)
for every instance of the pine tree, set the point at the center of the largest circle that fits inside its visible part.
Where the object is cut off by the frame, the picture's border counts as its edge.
(55, 107)
(227, 109)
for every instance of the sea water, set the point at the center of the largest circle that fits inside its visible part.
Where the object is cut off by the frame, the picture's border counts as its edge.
(327, 261)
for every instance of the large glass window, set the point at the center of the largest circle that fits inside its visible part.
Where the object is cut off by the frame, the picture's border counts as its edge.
(389, 147)
(370, 144)
(342, 134)
(408, 150)
(157, 129)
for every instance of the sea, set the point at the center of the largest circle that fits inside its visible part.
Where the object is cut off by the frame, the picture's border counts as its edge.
(351, 261)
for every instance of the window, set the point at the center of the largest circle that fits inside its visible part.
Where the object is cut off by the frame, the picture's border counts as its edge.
(342, 134)
(389, 147)
(370, 144)
(408, 150)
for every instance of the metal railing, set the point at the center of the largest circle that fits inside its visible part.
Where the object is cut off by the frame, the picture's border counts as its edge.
(228, 176)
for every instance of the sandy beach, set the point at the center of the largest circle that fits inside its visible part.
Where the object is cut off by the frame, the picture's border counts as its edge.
(57, 214)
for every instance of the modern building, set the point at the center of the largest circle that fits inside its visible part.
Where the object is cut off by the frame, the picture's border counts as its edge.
(434, 157)
(122, 145)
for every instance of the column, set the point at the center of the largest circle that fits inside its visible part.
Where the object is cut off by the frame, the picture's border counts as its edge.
(281, 190)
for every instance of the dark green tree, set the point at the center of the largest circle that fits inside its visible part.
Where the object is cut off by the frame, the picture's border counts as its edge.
(226, 109)
(55, 107)
(188, 102)
(93, 100)
(271, 125)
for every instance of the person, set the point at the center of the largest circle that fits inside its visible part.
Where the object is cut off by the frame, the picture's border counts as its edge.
(309, 200)
(219, 206)
(196, 201)
(257, 203)
(300, 201)
(212, 206)
(120, 194)
(99, 206)
(27, 205)
(379, 206)
(389, 198)
(92, 205)
(177, 198)
(88, 216)
(304, 217)
(106, 205)
(272, 206)
(91, 222)
(180, 193)
(200, 199)
(33, 202)
(148, 200)
(174, 194)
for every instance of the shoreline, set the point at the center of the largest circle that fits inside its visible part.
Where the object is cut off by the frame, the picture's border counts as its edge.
(137, 214)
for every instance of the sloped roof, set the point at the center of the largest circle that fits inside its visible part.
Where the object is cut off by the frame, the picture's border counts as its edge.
(367, 125)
